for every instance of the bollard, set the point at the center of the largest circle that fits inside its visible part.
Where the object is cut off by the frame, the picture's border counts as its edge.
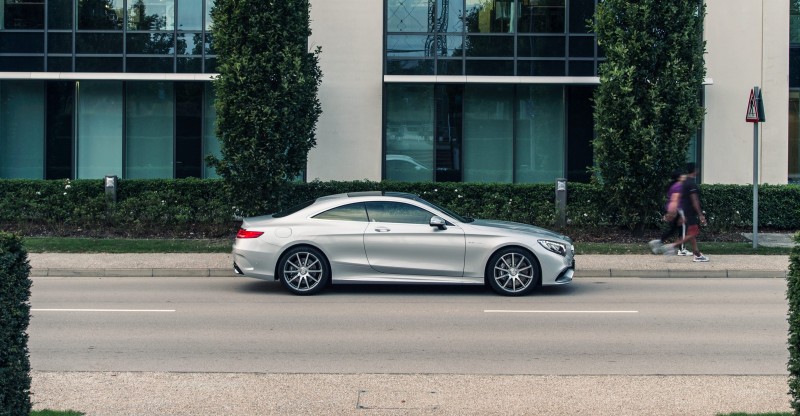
(111, 188)
(561, 202)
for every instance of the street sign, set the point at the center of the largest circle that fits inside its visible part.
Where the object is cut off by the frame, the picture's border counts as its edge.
(755, 107)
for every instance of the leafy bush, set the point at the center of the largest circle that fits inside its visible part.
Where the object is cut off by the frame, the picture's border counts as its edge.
(793, 295)
(15, 287)
(200, 208)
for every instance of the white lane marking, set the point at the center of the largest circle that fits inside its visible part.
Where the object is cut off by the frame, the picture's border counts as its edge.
(517, 311)
(102, 310)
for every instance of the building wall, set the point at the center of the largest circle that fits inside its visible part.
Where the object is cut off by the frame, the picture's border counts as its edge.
(747, 44)
(349, 132)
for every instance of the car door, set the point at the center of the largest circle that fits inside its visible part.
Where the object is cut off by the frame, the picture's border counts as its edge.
(400, 240)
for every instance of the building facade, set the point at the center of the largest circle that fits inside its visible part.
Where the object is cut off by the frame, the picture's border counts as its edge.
(417, 90)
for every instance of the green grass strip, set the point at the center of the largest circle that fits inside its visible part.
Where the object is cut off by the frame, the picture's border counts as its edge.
(122, 245)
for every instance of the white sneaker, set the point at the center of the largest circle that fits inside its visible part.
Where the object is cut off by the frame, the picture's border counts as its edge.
(684, 252)
(654, 245)
(701, 258)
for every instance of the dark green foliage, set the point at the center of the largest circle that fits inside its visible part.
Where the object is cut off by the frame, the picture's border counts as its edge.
(188, 208)
(15, 292)
(267, 106)
(793, 296)
(647, 106)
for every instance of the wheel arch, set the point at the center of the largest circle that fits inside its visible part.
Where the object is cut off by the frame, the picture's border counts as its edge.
(287, 249)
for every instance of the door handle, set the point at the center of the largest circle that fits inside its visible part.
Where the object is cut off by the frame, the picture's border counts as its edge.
(382, 229)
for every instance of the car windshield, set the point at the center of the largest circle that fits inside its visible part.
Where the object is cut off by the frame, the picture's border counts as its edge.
(445, 210)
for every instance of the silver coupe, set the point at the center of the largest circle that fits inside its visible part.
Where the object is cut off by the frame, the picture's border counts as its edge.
(385, 237)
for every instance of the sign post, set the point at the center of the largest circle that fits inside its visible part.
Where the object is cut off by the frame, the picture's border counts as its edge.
(755, 115)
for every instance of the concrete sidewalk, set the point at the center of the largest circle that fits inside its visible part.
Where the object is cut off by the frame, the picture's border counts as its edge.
(220, 264)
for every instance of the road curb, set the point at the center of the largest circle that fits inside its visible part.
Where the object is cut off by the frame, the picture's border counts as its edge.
(616, 273)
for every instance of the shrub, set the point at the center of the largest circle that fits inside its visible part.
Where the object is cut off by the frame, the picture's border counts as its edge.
(793, 295)
(15, 291)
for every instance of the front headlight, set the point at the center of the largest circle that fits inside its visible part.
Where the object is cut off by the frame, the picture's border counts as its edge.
(554, 246)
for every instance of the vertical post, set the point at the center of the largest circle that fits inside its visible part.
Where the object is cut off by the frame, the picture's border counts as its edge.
(561, 202)
(755, 174)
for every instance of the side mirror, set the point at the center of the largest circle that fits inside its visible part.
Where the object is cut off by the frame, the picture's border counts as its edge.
(438, 222)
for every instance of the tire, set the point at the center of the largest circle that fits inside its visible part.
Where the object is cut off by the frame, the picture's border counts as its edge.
(304, 271)
(513, 272)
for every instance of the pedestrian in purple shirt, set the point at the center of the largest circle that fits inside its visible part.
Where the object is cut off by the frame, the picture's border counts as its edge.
(673, 214)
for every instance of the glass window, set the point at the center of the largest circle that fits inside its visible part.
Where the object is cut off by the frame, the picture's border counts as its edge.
(188, 129)
(542, 16)
(95, 64)
(409, 15)
(581, 46)
(488, 133)
(449, 131)
(581, 13)
(59, 63)
(59, 123)
(99, 138)
(209, 6)
(450, 67)
(21, 129)
(540, 142)
(541, 46)
(100, 14)
(409, 132)
(211, 144)
(552, 68)
(581, 68)
(409, 67)
(411, 46)
(211, 66)
(489, 46)
(484, 16)
(151, 15)
(22, 63)
(448, 16)
(149, 125)
(59, 14)
(450, 46)
(190, 15)
(190, 44)
(59, 42)
(397, 212)
(98, 43)
(794, 67)
(498, 68)
(190, 65)
(350, 212)
(209, 44)
(21, 42)
(794, 21)
(794, 137)
(22, 14)
(151, 43)
(149, 65)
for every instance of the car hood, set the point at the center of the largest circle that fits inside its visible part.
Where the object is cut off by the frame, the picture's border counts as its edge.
(525, 228)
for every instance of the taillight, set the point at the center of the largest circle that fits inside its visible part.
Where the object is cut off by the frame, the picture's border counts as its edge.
(248, 234)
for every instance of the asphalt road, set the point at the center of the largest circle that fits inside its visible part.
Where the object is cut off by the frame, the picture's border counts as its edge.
(597, 326)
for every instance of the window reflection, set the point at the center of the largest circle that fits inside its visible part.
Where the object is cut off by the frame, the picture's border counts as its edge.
(190, 15)
(542, 16)
(409, 133)
(22, 14)
(100, 14)
(151, 15)
(409, 15)
(151, 43)
(491, 16)
(190, 43)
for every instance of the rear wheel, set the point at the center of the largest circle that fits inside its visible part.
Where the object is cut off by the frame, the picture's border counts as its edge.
(304, 271)
(513, 272)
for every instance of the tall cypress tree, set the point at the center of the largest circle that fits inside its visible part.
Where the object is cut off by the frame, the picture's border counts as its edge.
(647, 106)
(267, 105)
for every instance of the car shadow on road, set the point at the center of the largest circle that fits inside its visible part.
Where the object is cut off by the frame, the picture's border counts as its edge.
(276, 288)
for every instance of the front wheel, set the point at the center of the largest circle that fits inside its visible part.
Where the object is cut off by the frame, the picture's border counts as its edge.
(513, 272)
(304, 271)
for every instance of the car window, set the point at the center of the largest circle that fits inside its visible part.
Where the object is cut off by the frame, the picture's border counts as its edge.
(292, 210)
(397, 212)
(350, 212)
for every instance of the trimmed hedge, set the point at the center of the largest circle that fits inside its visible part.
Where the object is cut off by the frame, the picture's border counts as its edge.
(15, 292)
(200, 208)
(793, 296)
